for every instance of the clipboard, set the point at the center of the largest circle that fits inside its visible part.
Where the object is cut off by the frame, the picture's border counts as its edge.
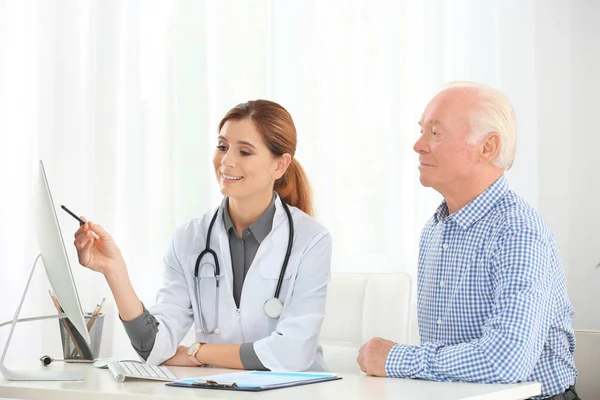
(254, 381)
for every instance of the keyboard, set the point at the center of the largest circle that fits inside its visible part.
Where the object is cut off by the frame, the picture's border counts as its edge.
(122, 370)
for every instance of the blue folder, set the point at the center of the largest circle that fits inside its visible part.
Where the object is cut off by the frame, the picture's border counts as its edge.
(254, 381)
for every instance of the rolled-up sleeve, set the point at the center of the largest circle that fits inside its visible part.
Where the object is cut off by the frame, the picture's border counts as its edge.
(249, 358)
(142, 332)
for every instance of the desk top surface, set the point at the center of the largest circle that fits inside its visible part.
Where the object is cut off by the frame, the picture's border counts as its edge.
(100, 384)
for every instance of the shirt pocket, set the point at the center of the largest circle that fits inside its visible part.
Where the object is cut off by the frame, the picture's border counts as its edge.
(272, 269)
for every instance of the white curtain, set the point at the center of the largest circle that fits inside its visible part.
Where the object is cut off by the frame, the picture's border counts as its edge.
(121, 99)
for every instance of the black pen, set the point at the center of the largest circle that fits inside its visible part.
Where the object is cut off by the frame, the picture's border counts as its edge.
(81, 222)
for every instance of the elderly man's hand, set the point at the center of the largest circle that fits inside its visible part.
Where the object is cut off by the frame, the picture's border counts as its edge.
(372, 356)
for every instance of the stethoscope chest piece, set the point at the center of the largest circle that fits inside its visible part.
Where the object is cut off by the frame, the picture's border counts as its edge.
(273, 307)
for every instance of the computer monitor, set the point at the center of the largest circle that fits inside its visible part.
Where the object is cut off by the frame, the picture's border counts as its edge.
(55, 259)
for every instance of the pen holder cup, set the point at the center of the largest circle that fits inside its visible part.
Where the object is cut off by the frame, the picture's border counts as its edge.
(70, 349)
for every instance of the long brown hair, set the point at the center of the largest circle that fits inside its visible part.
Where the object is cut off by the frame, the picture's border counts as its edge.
(278, 132)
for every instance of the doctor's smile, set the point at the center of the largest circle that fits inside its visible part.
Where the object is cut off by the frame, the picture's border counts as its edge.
(231, 177)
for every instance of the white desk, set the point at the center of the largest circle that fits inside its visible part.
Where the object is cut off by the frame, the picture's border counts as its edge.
(99, 384)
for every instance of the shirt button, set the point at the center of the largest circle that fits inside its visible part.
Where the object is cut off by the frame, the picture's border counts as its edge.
(445, 245)
(247, 231)
(439, 321)
(442, 284)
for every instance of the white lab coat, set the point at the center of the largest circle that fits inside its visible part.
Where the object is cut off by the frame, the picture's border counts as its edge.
(287, 344)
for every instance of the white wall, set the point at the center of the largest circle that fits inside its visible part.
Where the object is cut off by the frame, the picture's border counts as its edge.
(567, 65)
(583, 164)
(517, 79)
(553, 69)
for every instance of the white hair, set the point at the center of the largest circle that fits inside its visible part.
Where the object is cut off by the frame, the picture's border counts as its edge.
(493, 114)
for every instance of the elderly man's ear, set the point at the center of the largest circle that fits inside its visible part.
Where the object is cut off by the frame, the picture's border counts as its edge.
(490, 147)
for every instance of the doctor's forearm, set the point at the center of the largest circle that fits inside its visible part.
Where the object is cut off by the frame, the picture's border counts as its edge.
(128, 303)
(221, 355)
(180, 359)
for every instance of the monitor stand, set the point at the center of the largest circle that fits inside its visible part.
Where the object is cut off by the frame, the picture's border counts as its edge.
(48, 375)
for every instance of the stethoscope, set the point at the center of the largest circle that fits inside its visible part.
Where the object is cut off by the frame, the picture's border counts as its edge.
(272, 307)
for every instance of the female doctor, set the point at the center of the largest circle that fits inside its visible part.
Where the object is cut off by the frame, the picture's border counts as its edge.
(251, 275)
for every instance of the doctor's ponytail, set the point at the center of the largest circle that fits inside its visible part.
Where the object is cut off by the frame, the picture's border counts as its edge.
(278, 131)
(294, 188)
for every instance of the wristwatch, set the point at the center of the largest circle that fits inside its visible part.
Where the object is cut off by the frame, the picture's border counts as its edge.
(191, 353)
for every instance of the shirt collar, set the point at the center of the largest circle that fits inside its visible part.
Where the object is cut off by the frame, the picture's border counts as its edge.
(260, 228)
(477, 208)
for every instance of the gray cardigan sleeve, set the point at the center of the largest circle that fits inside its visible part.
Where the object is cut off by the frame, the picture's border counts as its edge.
(142, 332)
(249, 358)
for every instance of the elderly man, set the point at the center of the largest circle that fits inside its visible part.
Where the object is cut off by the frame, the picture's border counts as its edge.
(492, 299)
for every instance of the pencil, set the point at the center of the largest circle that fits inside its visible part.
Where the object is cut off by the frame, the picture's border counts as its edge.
(81, 222)
(64, 322)
(95, 314)
(91, 322)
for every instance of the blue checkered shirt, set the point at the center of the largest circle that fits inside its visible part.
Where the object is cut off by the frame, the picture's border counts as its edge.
(492, 299)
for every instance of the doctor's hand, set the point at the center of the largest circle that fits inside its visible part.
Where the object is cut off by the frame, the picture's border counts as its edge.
(96, 249)
(373, 355)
